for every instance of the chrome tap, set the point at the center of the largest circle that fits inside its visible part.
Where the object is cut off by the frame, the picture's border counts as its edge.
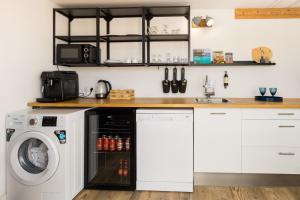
(209, 90)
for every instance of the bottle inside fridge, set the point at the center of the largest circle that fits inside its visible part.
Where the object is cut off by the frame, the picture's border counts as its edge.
(110, 157)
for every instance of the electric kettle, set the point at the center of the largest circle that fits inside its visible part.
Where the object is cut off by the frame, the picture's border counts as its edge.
(102, 89)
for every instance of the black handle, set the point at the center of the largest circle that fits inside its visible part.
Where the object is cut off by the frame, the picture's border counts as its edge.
(182, 74)
(166, 73)
(109, 86)
(174, 74)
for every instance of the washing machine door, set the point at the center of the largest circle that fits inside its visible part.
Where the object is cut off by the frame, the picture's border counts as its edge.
(33, 157)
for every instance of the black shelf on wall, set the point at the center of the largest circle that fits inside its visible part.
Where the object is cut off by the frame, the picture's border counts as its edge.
(146, 14)
(235, 63)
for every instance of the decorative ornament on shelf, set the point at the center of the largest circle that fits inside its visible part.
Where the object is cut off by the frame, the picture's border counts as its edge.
(202, 22)
(262, 55)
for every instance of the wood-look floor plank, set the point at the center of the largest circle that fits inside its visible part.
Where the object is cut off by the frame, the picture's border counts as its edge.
(278, 193)
(212, 193)
(104, 195)
(295, 191)
(145, 195)
(247, 193)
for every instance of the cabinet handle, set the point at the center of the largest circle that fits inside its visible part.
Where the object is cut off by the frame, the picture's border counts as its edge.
(286, 113)
(286, 154)
(286, 126)
(218, 113)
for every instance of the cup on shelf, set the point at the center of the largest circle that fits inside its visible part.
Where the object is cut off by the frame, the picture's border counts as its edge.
(273, 91)
(262, 91)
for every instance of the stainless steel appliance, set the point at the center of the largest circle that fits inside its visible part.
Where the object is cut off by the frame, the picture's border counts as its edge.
(102, 89)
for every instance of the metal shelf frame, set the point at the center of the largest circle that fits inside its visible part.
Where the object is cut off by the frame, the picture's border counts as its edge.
(145, 13)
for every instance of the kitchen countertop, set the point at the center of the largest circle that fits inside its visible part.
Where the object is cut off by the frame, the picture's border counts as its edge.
(169, 103)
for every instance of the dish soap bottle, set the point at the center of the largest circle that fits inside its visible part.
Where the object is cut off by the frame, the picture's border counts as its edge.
(226, 80)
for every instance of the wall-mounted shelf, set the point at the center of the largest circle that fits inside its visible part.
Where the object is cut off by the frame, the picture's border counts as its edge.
(235, 63)
(144, 13)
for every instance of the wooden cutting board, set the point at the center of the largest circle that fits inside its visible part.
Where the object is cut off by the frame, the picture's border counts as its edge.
(261, 52)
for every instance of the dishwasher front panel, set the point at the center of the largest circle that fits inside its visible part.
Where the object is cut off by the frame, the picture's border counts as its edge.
(165, 152)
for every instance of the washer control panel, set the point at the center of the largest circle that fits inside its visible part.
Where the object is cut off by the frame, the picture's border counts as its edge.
(45, 121)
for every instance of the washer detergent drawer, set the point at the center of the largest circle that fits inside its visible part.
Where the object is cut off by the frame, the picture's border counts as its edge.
(165, 152)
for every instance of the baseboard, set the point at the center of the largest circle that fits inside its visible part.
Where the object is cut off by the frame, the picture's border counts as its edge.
(220, 179)
(3, 197)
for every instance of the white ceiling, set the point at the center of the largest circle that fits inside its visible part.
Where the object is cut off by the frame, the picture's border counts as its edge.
(195, 4)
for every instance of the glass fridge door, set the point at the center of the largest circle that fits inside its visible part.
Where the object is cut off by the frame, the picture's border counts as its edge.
(110, 149)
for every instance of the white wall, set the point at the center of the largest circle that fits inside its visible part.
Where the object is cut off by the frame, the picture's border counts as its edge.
(25, 38)
(228, 34)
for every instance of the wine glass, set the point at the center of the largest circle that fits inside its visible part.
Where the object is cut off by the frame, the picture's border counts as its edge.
(262, 91)
(273, 91)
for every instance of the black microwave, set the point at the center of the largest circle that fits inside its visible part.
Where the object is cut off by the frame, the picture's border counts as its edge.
(76, 54)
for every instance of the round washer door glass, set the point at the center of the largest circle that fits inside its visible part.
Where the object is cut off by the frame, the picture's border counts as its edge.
(33, 156)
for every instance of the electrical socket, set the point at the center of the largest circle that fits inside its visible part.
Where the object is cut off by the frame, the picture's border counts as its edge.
(87, 90)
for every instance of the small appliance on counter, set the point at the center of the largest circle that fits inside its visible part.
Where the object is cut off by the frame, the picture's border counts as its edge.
(103, 89)
(59, 86)
(77, 54)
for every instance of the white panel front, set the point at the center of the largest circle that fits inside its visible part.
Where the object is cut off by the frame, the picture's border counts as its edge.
(217, 140)
(271, 133)
(271, 160)
(165, 148)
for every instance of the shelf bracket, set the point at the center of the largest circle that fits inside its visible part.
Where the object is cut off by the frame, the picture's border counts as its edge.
(149, 17)
(187, 16)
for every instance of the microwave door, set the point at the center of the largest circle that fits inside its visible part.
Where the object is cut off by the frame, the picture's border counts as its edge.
(69, 53)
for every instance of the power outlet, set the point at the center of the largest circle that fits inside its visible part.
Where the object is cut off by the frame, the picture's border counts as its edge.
(87, 91)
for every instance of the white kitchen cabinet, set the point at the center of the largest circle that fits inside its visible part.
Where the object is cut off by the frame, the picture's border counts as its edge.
(271, 133)
(217, 140)
(271, 141)
(271, 160)
(165, 150)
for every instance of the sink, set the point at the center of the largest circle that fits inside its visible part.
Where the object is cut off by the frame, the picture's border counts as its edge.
(211, 100)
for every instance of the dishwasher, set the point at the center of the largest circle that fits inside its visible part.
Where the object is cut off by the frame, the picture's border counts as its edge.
(164, 149)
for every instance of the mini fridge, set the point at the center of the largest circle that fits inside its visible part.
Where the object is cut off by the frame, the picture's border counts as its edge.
(110, 149)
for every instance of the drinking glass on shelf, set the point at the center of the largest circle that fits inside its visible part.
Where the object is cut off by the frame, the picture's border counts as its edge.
(159, 58)
(168, 58)
(175, 59)
(153, 60)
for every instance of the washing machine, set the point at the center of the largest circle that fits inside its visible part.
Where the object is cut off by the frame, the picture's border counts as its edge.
(45, 154)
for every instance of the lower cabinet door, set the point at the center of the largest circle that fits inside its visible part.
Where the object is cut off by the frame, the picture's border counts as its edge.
(271, 160)
(217, 140)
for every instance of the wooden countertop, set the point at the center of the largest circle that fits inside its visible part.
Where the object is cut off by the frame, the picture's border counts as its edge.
(168, 103)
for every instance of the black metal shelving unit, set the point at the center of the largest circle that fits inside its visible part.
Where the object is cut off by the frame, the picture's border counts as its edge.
(145, 13)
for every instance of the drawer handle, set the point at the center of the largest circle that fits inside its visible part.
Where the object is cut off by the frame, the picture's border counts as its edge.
(286, 154)
(286, 126)
(218, 113)
(286, 113)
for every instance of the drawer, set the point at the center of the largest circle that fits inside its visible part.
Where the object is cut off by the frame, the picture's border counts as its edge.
(203, 113)
(271, 133)
(271, 160)
(271, 114)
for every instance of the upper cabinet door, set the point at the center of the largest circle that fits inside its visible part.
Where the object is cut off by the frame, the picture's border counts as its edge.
(217, 140)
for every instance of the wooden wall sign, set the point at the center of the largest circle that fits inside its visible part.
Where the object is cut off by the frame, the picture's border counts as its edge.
(267, 13)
